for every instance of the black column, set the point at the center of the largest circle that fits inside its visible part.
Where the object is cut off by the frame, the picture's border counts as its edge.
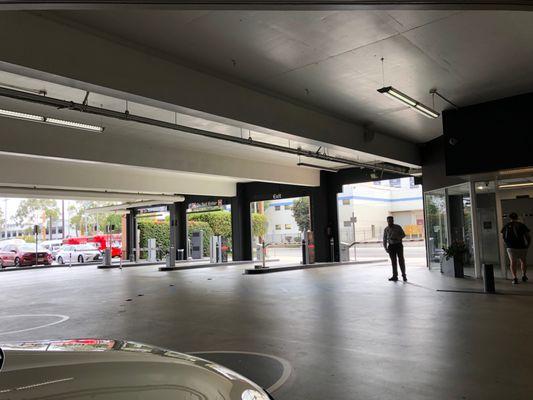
(181, 227)
(173, 228)
(319, 223)
(241, 225)
(130, 234)
(330, 186)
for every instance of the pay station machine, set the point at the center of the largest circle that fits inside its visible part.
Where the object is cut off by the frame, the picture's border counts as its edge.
(197, 245)
(218, 247)
(308, 248)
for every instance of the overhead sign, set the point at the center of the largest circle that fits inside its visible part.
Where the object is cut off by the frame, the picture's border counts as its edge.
(150, 210)
(205, 204)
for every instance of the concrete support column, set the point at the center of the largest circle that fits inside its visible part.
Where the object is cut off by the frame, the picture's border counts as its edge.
(241, 225)
(131, 233)
(181, 227)
(173, 226)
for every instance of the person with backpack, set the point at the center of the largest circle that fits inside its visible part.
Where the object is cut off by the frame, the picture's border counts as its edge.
(517, 240)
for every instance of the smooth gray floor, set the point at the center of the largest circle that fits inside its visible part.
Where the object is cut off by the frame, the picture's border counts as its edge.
(347, 331)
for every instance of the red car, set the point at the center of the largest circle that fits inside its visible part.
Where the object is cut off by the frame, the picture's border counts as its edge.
(20, 255)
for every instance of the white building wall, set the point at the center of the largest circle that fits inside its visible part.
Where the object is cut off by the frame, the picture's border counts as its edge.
(370, 203)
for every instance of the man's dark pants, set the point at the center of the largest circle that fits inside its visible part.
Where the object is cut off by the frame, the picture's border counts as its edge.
(396, 255)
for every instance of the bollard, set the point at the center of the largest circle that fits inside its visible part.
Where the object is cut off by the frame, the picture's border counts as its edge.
(304, 252)
(488, 278)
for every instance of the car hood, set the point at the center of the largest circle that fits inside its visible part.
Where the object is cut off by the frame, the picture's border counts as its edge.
(102, 369)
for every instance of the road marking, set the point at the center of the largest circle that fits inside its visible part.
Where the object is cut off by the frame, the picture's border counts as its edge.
(287, 368)
(61, 319)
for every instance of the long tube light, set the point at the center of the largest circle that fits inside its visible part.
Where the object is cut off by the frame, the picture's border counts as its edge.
(395, 94)
(515, 185)
(84, 108)
(19, 115)
(72, 124)
(52, 121)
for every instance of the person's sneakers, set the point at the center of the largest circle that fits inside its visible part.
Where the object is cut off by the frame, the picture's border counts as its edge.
(524, 278)
(393, 279)
(515, 281)
(405, 278)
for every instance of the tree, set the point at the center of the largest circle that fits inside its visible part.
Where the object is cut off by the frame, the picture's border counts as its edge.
(80, 218)
(29, 207)
(259, 225)
(300, 213)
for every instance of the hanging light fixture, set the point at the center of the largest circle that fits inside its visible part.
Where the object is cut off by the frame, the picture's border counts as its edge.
(395, 94)
(52, 121)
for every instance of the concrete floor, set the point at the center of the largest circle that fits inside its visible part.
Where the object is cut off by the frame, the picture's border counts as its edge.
(347, 332)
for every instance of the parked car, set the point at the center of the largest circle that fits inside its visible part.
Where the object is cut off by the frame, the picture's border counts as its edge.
(21, 255)
(81, 253)
(52, 246)
(112, 369)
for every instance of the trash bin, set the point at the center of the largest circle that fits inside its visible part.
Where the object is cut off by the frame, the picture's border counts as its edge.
(488, 278)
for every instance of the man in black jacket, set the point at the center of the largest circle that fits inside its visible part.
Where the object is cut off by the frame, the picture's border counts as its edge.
(392, 241)
(517, 240)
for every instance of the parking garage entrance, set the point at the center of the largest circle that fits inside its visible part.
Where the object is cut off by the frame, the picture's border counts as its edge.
(278, 227)
(363, 209)
(209, 230)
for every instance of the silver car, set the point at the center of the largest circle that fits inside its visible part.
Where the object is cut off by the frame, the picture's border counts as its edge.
(100, 369)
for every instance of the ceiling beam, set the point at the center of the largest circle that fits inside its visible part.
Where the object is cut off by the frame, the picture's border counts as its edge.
(268, 4)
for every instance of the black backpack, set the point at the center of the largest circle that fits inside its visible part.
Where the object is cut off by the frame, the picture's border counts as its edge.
(511, 235)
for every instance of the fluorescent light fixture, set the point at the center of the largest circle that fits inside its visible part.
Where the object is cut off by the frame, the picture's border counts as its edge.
(53, 121)
(72, 124)
(408, 101)
(428, 112)
(515, 185)
(19, 115)
(302, 164)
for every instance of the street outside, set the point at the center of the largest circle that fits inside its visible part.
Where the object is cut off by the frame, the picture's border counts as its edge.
(415, 253)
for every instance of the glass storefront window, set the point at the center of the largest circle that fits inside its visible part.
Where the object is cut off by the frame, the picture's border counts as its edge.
(436, 226)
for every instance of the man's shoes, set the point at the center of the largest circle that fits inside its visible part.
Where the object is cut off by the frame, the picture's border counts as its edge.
(515, 281)
(393, 279)
(405, 278)
(524, 278)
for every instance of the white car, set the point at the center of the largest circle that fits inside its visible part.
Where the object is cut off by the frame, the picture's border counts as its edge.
(72, 253)
(101, 369)
(52, 246)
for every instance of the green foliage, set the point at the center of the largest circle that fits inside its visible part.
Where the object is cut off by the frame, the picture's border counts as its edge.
(300, 213)
(457, 249)
(160, 231)
(218, 221)
(80, 218)
(114, 219)
(195, 226)
(28, 238)
(259, 225)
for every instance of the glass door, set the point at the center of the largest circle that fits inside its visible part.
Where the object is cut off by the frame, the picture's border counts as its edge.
(436, 226)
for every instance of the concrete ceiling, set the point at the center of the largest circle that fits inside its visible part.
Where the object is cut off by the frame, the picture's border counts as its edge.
(330, 60)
